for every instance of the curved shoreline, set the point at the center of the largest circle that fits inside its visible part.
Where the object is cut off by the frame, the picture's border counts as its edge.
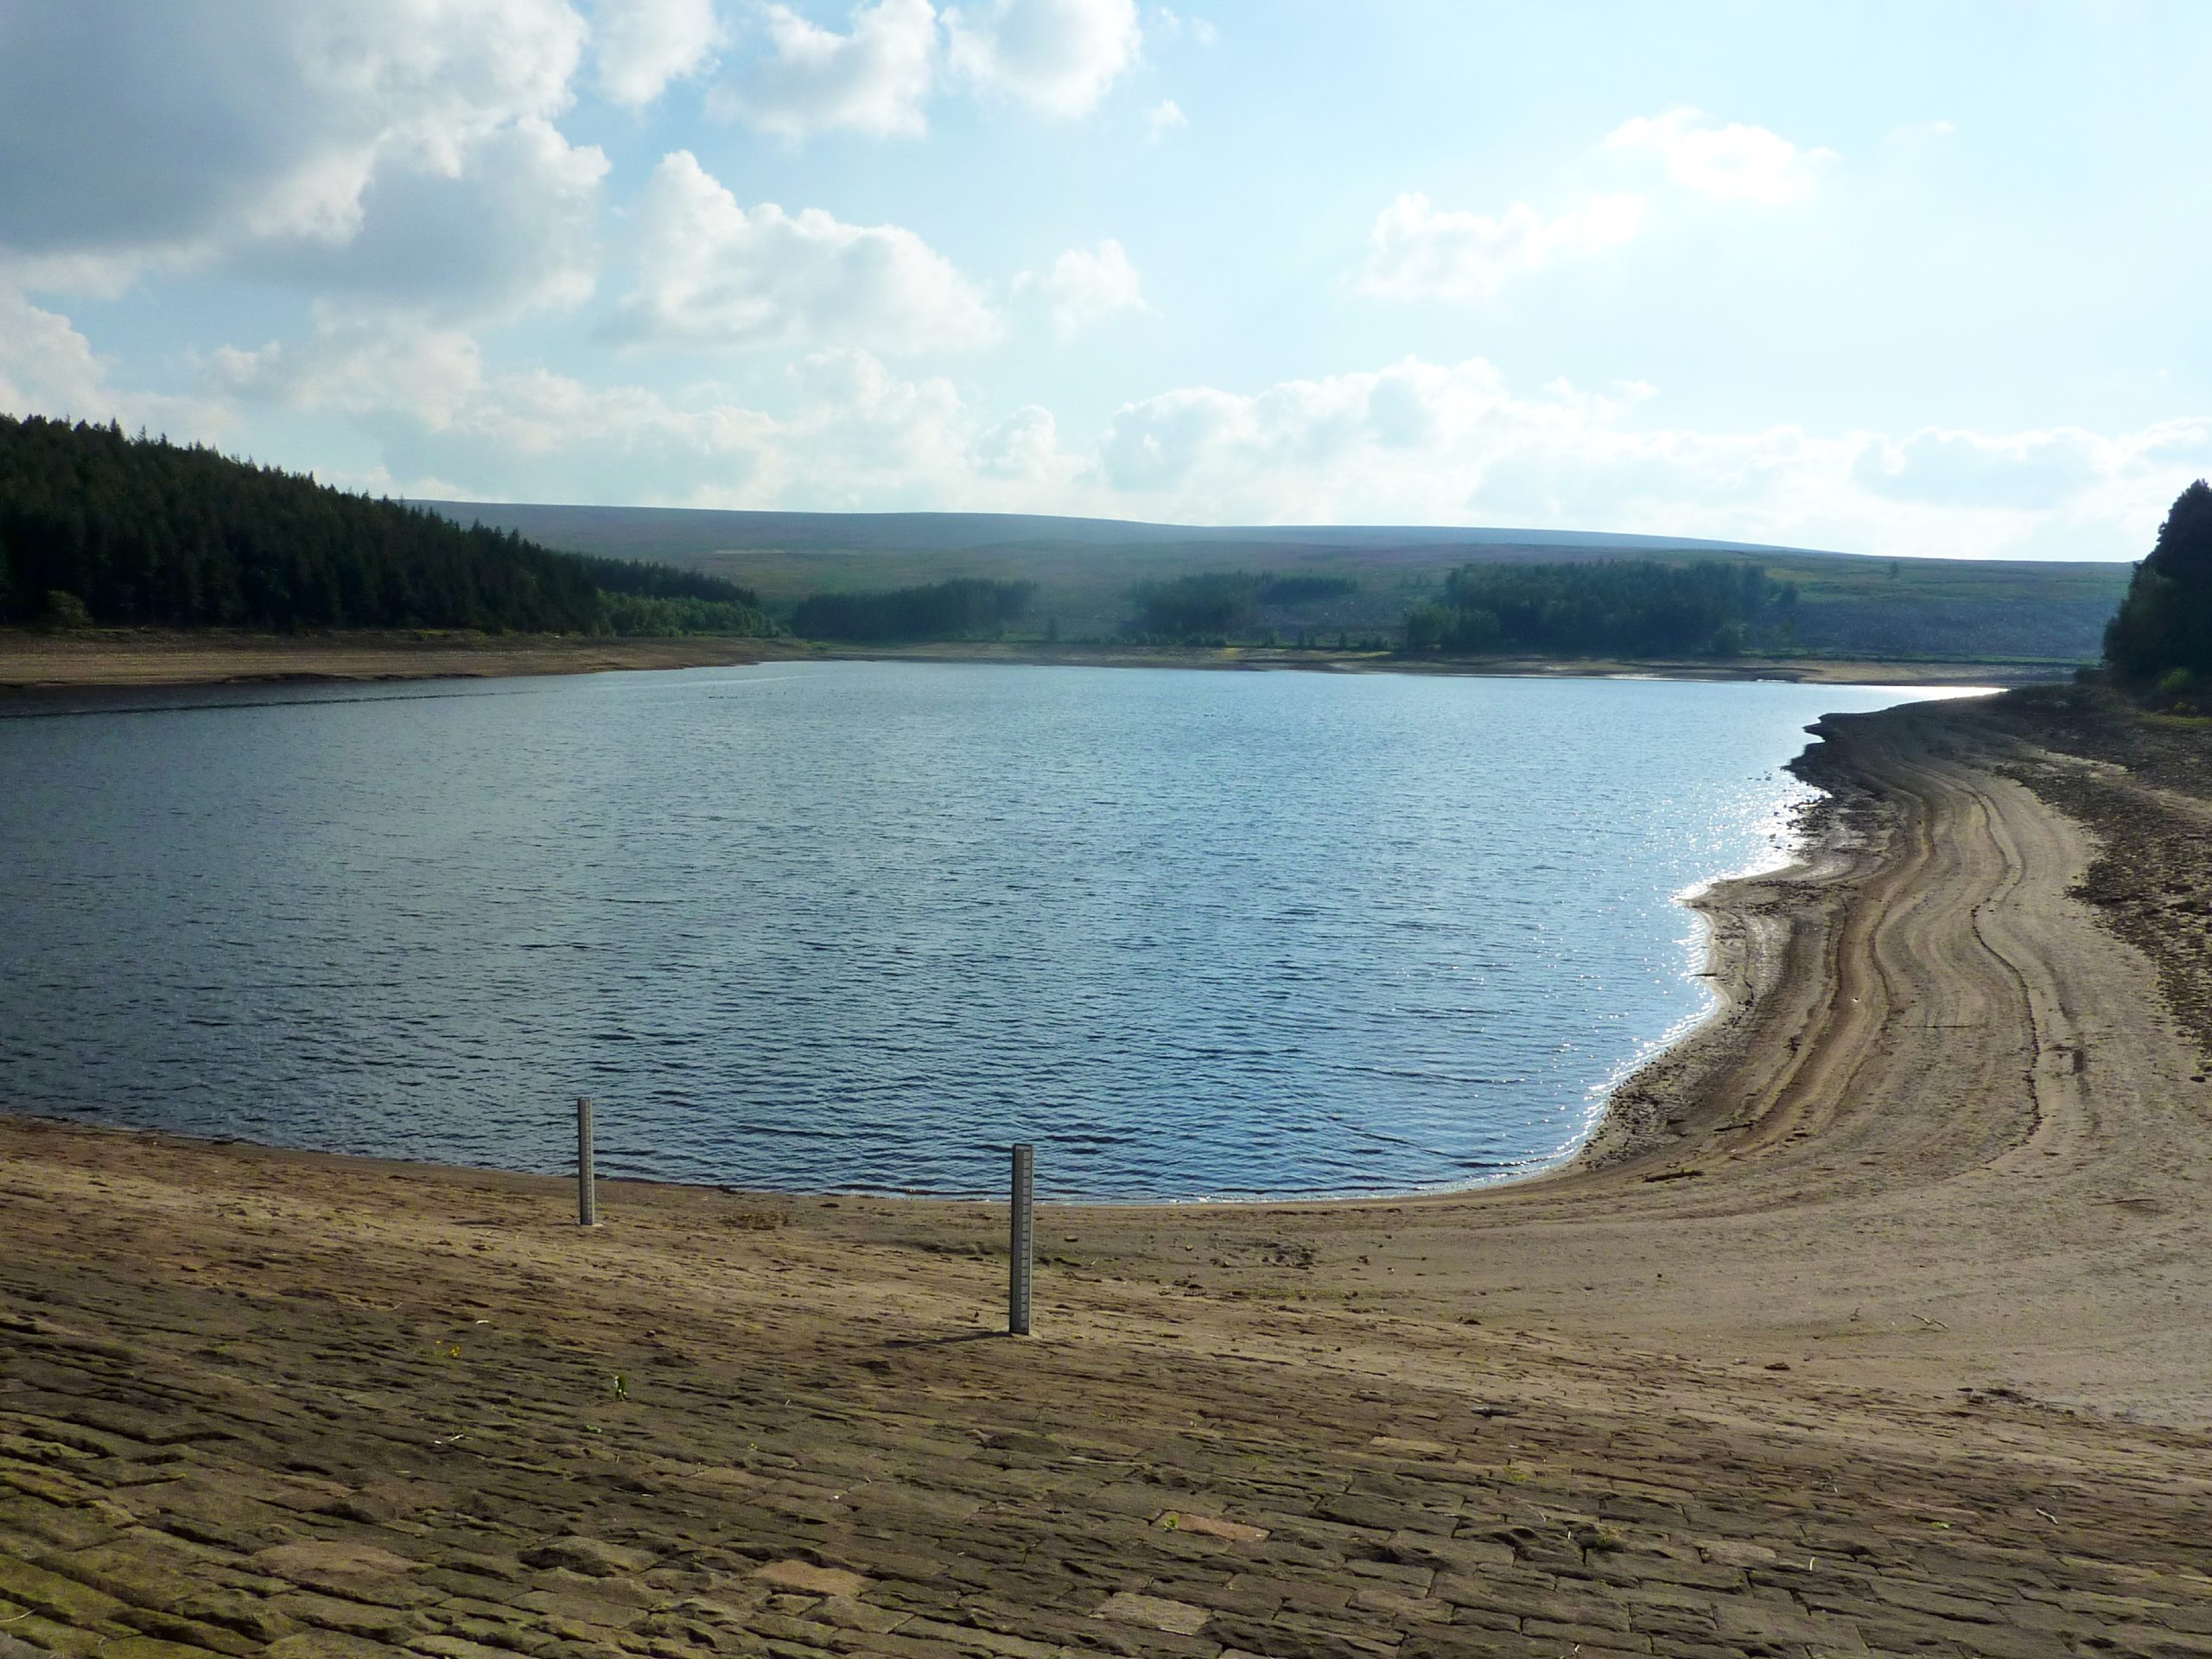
(1892, 1340)
(1770, 946)
(1942, 1131)
(1744, 959)
(1752, 922)
(1624, 1123)
(1656, 998)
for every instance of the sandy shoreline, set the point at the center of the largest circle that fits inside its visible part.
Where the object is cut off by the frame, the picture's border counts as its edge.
(32, 661)
(1876, 1322)
(1749, 928)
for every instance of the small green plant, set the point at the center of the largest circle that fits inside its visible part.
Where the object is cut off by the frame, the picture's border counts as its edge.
(621, 1386)
(2178, 691)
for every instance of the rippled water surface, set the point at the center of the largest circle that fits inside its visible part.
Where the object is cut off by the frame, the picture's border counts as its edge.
(860, 924)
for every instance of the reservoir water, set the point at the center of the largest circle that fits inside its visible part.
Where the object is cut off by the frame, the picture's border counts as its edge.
(858, 925)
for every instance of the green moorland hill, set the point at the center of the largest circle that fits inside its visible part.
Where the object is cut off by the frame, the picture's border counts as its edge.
(100, 528)
(1101, 580)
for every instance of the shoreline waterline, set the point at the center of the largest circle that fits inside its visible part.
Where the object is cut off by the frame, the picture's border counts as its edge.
(1694, 954)
(1858, 1312)
(33, 665)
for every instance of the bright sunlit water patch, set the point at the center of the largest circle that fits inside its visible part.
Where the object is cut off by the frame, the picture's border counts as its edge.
(858, 925)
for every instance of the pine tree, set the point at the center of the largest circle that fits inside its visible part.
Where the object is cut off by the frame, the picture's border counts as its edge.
(2165, 621)
(142, 530)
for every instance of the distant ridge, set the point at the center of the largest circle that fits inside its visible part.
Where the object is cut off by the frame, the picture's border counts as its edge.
(1087, 574)
(671, 530)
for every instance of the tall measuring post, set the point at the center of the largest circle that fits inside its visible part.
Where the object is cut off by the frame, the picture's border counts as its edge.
(1022, 1241)
(587, 1199)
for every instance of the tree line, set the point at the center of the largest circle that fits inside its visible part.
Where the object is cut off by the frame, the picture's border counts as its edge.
(96, 526)
(966, 607)
(1639, 607)
(2163, 632)
(1215, 606)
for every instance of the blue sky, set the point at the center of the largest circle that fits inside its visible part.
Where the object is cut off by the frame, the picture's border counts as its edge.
(1920, 278)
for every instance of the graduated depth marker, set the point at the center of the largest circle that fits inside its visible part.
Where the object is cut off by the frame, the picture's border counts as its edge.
(1021, 1241)
(587, 1199)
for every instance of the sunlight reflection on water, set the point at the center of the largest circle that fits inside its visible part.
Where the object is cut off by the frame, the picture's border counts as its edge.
(859, 924)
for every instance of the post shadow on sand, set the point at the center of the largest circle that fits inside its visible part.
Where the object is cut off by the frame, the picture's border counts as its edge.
(946, 1342)
(1022, 1241)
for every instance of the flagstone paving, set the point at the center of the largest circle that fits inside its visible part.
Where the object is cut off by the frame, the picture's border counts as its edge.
(234, 1422)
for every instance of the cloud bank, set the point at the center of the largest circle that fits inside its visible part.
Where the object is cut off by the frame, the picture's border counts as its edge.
(877, 75)
(373, 212)
(644, 46)
(1734, 162)
(1413, 443)
(874, 78)
(376, 144)
(712, 272)
(1415, 252)
(1085, 287)
(1056, 56)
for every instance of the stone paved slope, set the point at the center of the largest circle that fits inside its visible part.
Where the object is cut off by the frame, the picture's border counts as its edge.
(306, 1408)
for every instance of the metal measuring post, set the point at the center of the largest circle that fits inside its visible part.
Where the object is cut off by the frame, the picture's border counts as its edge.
(586, 1199)
(1022, 1243)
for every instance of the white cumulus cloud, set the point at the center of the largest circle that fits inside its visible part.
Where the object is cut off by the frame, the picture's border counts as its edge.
(1421, 443)
(1056, 56)
(856, 436)
(867, 428)
(1415, 441)
(47, 368)
(642, 45)
(447, 425)
(512, 226)
(363, 365)
(1024, 447)
(874, 78)
(262, 135)
(1734, 162)
(1086, 286)
(1416, 251)
(713, 272)
(1163, 119)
